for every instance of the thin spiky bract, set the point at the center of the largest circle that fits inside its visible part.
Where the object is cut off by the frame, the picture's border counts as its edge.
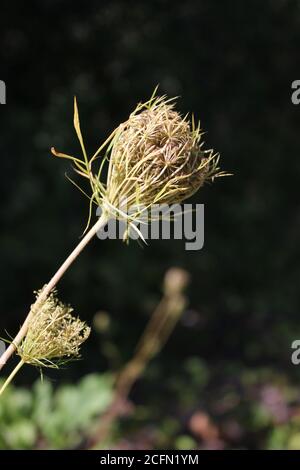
(155, 157)
(54, 335)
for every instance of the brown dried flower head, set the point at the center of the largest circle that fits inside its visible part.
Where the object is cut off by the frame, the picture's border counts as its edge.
(54, 335)
(155, 157)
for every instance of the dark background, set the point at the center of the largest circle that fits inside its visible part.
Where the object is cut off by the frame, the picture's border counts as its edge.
(232, 63)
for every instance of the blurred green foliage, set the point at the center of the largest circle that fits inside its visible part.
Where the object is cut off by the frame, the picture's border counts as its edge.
(55, 419)
(258, 405)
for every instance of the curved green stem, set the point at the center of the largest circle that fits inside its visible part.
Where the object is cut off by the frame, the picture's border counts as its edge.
(11, 376)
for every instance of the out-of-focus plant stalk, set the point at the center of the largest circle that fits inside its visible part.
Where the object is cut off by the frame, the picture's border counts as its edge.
(159, 328)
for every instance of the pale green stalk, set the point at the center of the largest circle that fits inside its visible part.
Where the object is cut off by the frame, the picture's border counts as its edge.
(11, 376)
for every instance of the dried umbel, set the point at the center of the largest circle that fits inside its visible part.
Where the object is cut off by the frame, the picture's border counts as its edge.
(54, 335)
(155, 157)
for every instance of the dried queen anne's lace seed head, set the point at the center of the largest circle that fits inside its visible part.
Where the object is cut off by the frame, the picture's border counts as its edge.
(54, 335)
(157, 157)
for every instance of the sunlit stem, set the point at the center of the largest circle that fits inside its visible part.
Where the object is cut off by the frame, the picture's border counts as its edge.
(11, 376)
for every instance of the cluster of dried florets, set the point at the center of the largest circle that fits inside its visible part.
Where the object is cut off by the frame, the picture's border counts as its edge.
(157, 157)
(54, 335)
